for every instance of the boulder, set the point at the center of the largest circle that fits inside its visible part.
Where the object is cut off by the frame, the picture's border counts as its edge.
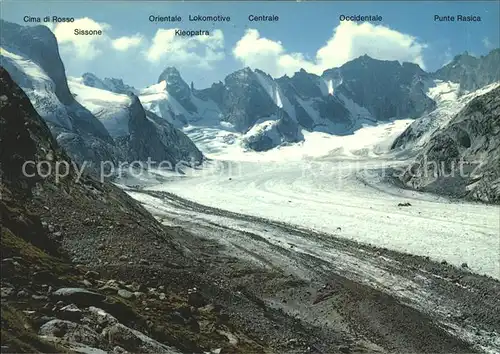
(72, 332)
(134, 341)
(78, 296)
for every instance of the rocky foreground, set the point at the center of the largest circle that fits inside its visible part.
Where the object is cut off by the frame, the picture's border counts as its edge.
(137, 292)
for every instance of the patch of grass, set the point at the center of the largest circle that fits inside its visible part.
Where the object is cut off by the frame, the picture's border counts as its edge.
(32, 256)
(18, 335)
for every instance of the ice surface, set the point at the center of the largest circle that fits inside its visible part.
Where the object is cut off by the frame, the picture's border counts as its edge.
(38, 86)
(326, 195)
(304, 185)
(112, 109)
(328, 182)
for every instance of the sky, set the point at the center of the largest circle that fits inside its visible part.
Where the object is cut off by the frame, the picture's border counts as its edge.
(308, 35)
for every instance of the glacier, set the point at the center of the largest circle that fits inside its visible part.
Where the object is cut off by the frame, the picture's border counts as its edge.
(333, 184)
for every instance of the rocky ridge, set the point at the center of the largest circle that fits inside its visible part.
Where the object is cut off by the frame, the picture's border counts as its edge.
(362, 91)
(108, 84)
(51, 302)
(30, 55)
(471, 72)
(462, 158)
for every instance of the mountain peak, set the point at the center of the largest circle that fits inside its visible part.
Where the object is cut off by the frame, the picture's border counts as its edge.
(108, 84)
(92, 80)
(464, 56)
(242, 74)
(177, 87)
(169, 71)
(170, 74)
(471, 72)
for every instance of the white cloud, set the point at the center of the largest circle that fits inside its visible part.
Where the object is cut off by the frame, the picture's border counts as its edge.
(125, 43)
(487, 43)
(349, 41)
(199, 51)
(447, 57)
(83, 46)
(50, 25)
(258, 52)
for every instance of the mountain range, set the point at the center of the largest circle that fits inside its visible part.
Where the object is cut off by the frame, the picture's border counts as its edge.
(87, 269)
(96, 119)
(267, 112)
(93, 266)
(31, 56)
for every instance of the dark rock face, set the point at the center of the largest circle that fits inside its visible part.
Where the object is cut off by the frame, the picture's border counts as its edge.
(245, 101)
(54, 101)
(289, 129)
(333, 109)
(261, 143)
(301, 83)
(39, 44)
(387, 89)
(471, 72)
(153, 137)
(304, 85)
(177, 87)
(463, 158)
(91, 80)
(78, 296)
(214, 93)
(32, 140)
(382, 89)
(118, 86)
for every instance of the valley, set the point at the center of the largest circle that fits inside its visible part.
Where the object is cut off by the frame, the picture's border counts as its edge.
(352, 209)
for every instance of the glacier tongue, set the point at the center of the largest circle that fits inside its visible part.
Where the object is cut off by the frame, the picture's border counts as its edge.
(330, 87)
(279, 103)
(273, 90)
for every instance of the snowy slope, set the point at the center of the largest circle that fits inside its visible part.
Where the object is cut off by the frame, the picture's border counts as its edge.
(209, 113)
(266, 129)
(449, 102)
(30, 55)
(338, 191)
(39, 87)
(156, 99)
(112, 109)
(336, 184)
